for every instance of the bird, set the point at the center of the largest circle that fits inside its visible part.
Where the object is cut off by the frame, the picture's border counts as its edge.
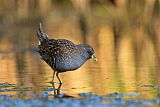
(61, 54)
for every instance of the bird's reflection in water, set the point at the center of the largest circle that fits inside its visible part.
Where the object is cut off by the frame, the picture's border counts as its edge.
(56, 90)
(57, 93)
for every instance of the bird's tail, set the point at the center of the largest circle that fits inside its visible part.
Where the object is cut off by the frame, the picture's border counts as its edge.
(42, 36)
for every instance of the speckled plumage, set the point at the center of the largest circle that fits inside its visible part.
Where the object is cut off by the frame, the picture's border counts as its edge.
(61, 54)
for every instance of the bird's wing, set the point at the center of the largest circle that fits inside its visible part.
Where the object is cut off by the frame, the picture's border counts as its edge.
(56, 48)
(60, 47)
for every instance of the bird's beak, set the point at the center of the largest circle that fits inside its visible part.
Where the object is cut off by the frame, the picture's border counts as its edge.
(94, 57)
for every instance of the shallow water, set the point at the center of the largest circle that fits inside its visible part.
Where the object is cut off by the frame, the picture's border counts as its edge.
(27, 74)
(128, 67)
(24, 67)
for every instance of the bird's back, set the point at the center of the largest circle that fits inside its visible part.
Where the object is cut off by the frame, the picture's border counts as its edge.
(57, 48)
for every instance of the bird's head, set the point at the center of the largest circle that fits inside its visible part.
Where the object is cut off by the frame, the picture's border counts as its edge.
(89, 52)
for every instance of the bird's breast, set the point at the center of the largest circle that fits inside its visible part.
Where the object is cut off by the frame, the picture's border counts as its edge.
(68, 64)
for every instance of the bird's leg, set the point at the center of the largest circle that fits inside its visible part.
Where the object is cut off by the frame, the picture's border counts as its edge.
(53, 77)
(58, 89)
(60, 81)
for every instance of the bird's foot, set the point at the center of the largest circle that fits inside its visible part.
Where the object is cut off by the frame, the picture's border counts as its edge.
(51, 82)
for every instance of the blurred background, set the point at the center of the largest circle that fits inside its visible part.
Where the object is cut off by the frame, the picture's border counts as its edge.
(125, 35)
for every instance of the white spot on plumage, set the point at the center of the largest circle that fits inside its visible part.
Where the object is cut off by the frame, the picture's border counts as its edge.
(39, 43)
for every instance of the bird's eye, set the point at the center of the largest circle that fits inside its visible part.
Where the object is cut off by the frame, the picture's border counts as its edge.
(89, 51)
